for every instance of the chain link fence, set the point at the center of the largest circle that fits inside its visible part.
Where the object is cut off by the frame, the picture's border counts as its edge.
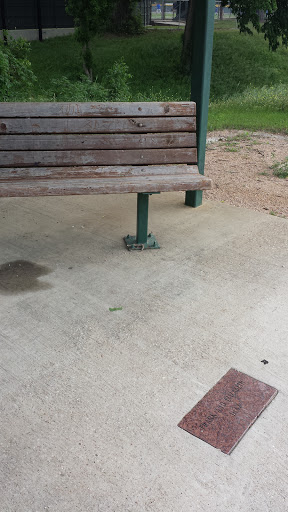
(48, 14)
(29, 14)
(165, 10)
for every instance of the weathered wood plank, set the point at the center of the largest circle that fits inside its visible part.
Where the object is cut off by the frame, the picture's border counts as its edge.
(100, 125)
(115, 109)
(97, 141)
(98, 157)
(95, 172)
(103, 186)
(97, 148)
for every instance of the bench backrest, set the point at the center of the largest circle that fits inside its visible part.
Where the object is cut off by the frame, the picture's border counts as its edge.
(96, 134)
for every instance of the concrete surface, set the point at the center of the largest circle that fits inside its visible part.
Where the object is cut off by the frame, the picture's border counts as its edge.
(168, 23)
(90, 399)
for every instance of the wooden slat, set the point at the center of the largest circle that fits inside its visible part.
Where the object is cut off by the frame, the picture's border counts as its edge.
(97, 109)
(23, 188)
(97, 141)
(19, 173)
(97, 148)
(98, 157)
(101, 125)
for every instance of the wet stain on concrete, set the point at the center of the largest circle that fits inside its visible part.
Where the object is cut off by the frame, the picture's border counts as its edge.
(22, 276)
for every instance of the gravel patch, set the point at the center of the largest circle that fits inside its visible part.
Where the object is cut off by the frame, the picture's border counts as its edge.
(239, 164)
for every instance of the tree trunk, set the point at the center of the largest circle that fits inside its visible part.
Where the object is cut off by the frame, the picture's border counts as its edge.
(262, 16)
(87, 57)
(186, 56)
(163, 10)
(122, 12)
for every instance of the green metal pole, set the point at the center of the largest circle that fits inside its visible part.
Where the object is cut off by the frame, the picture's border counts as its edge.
(142, 218)
(203, 28)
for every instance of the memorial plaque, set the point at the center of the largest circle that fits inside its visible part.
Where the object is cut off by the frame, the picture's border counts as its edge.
(228, 410)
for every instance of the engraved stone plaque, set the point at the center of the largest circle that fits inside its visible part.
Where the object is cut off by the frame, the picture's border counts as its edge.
(228, 410)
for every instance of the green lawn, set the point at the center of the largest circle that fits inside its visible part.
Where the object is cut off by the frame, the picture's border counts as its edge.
(153, 60)
(242, 66)
(254, 119)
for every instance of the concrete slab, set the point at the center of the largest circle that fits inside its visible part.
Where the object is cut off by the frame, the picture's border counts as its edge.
(169, 23)
(91, 398)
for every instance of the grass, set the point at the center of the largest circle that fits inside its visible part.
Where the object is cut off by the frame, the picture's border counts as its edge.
(222, 117)
(241, 61)
(249, 84)
(228, 24)
(280, 169)
(158, 16)
(231, 147)
(153, 60)
(231, 144)
(239, 137)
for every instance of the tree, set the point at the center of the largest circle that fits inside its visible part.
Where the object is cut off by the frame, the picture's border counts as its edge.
(186, 56)
(126, 19)
(275, 28)
(221, 11)
(89, 18)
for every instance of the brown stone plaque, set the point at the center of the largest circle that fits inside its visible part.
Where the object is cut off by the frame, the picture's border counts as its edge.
(228, 410)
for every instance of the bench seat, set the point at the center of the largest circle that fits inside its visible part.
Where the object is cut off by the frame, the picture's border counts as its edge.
(59, 149)
(59, 181)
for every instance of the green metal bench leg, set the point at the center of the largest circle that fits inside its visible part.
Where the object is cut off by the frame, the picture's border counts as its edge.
(142, 218)
(142, 240)
(193, 198)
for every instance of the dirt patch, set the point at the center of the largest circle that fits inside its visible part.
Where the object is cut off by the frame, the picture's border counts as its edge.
(239, 164)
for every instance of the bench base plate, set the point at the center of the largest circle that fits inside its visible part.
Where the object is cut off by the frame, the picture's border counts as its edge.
(132, 245)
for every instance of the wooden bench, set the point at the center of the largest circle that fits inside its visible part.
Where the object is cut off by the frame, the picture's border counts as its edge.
(57, 149)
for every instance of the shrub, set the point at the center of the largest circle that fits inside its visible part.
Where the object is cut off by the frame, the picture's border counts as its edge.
(280, 169)
(133, 26)
(116, 81)
(274, 98)
(16, 76)
(63, 89)
(152, 95)
(126, 18)
(114, 86)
